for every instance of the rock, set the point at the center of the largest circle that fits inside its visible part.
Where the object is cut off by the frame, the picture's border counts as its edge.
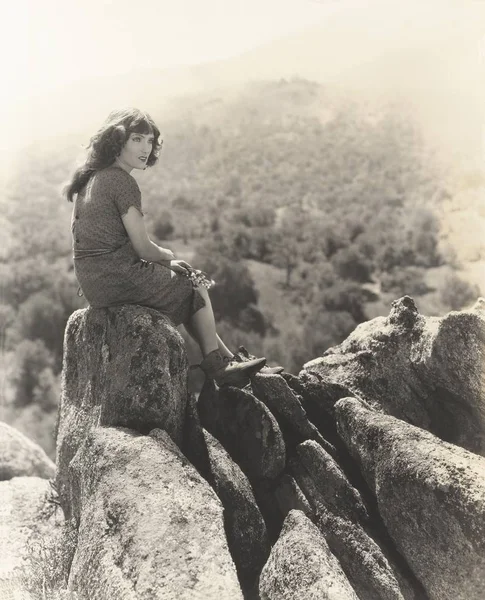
(20, 456)
(246, 531)
(24, 513)
(245, 528)
(302, 567)
(149, 526)
(343, 518)
(246, 428)
(438, 487)
(286, 407)
(123, 366)
(333, 488)
(314, 386)
(429, 371)
(318, 397)
(363, 561)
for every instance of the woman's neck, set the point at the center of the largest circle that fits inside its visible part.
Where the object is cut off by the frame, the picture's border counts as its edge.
(122, 165)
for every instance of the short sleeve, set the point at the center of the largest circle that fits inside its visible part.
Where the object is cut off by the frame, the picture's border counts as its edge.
(125, 192)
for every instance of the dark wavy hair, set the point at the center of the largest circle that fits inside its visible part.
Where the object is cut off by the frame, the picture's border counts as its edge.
(107, 143)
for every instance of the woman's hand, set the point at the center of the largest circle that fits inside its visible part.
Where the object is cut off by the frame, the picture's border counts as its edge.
(166, 254)
(180, 266)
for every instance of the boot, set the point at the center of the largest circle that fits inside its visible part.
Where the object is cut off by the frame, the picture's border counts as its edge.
(243, 356)
(229, 371)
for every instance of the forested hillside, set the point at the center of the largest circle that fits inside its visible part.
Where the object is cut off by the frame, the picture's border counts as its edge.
(311, 211)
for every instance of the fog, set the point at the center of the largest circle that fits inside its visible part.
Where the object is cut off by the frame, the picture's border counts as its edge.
(69, 64)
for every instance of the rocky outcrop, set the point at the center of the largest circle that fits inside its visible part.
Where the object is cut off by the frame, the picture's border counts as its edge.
(430, 494)
(428, 371)
(20, 456)
(332, 474)
(302, 566)
(148, 525)
(289, 496)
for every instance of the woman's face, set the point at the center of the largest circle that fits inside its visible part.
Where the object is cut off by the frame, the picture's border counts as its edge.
(136, 151)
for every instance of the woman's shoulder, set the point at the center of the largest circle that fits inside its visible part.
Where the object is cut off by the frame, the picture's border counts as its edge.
(117, 177)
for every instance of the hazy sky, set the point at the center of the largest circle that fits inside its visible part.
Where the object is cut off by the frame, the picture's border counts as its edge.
(48, 44)
(51, 42)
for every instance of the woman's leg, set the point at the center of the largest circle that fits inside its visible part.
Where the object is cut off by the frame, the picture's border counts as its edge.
(202, 327)
(223, 349)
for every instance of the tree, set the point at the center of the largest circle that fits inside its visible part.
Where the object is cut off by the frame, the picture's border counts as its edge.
(163, 227)
(31, 359)
(343, 296)
(425, 235)
(42, 317)
(7, 318)
(285, 253)
(234, 291)
(288, 240)
(457, 293)
(26, 277)
(326, 329)
(47, 390)
(350, 263)
(252, 319)
(403, 281)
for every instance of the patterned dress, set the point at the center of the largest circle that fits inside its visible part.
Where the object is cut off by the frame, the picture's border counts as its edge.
(106, 265)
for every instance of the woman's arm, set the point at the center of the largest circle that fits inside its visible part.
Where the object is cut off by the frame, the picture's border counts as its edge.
(143, 245)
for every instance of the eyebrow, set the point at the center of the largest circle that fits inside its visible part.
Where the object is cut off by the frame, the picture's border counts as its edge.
(143, 134)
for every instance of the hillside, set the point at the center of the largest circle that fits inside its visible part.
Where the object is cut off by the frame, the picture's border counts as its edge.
(311, 209)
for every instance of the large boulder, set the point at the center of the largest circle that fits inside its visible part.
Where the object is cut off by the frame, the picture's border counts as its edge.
(149, 526)
(428, 371)
(20, 456)
(430, 494)
(302, 567)
(124, 366)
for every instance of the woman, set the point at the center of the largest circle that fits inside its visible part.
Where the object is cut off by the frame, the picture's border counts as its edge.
(114, 259)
